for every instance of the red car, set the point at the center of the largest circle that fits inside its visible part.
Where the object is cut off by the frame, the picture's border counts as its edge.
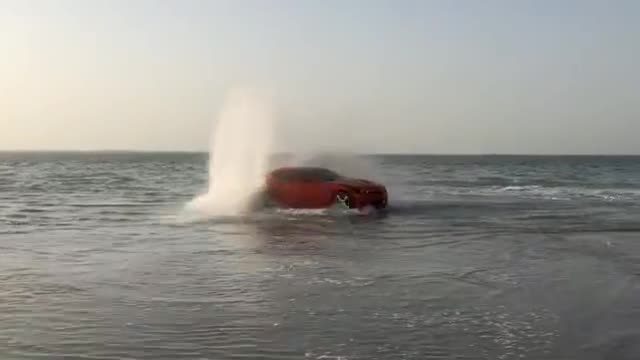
(314, 188)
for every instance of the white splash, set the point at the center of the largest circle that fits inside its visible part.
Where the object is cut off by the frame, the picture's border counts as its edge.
(239, 154)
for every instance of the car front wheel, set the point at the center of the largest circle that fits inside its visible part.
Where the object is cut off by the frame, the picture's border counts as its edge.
(343, 198)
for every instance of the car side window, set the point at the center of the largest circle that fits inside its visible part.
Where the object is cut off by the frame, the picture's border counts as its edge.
(302, 177)
(285, 177)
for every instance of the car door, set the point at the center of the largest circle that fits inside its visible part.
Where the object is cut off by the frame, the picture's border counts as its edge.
(302, 189)
(284, 189)
(316, 193)
(294, 192)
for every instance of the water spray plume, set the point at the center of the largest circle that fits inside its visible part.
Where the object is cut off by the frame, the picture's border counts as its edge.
(240, 156)
(240, 149)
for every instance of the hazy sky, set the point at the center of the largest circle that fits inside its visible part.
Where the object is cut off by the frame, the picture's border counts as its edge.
(373, 76)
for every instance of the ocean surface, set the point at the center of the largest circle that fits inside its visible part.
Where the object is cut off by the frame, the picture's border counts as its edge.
(477, 258)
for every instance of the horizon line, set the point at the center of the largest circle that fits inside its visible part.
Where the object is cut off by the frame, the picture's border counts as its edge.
(147, 151)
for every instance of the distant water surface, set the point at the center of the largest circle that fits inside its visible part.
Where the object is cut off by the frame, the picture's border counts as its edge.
(477, 258)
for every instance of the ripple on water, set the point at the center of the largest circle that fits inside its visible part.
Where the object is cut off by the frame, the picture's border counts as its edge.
(475, 259)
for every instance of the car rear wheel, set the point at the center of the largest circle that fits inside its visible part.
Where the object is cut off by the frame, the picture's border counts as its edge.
(260, 200)
(343, 198)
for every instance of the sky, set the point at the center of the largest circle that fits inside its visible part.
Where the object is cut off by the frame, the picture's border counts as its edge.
(397, 76)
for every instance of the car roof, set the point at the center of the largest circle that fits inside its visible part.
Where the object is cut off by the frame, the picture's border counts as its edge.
(300, 169)
(303, 171)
